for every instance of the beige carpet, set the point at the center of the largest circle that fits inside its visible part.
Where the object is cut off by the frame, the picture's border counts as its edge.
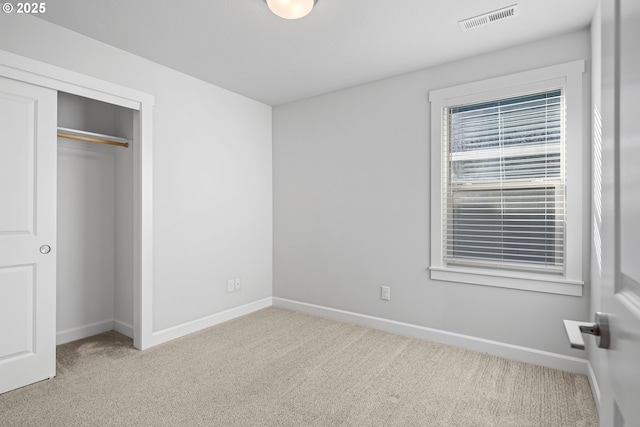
(278, 367)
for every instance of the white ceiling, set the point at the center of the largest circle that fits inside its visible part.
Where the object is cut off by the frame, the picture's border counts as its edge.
(241, 46)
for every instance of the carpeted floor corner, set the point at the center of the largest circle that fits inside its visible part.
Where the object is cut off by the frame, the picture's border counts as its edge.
(277, 367)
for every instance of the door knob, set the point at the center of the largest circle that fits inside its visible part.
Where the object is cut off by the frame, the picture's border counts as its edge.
(45, 249)
(599, 328)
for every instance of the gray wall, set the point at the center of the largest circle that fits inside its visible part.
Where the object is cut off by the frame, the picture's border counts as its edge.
(212, 204)
(350, 192)
(352, 210)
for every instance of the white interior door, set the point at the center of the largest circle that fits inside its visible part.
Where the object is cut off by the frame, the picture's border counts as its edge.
(620, 298)
(27, 233)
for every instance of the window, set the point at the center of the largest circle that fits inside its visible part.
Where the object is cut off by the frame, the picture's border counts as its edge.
(504, 177)
(502, 185)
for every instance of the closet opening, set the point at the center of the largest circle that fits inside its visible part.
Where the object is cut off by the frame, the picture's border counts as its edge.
(95, 218)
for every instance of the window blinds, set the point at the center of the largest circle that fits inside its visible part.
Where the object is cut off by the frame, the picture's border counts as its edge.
(504, 203)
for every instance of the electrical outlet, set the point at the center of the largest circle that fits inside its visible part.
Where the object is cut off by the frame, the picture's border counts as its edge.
(385, 293)
(230, 285)
(237, 284)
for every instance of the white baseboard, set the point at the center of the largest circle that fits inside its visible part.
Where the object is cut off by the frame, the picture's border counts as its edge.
(178, 331)
(84, 331)
(523, 354)
(123, 328)
(509, 351)
(593, 382)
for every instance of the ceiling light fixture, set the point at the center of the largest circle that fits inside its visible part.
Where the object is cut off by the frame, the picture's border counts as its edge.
(291, 9)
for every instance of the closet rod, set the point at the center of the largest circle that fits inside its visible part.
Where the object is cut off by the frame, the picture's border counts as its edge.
(92, 139)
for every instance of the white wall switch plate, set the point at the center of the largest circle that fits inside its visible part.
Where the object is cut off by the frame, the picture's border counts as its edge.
(230, 285)
(385, 293)
(237, 283)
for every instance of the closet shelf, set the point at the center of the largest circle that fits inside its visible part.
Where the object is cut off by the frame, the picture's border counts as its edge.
(92, 137)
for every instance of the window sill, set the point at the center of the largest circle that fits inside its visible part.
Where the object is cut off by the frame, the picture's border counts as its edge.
(534, 283)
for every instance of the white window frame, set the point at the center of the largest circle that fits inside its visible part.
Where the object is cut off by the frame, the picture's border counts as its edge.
(567, 75)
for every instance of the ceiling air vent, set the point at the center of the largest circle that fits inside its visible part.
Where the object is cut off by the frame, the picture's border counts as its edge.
(488, 18)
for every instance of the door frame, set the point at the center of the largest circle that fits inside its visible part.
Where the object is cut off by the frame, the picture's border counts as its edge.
(42, 74)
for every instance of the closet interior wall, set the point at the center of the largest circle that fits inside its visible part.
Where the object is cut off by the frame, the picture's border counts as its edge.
(95, 222)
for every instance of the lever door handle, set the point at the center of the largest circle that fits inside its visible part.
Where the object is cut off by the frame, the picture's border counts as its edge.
(599, 328)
